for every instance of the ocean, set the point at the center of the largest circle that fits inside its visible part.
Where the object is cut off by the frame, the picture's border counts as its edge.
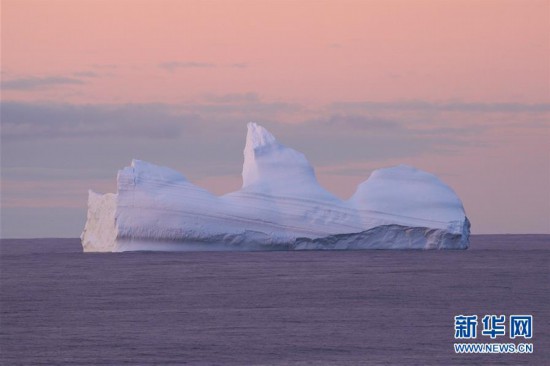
(60, 306)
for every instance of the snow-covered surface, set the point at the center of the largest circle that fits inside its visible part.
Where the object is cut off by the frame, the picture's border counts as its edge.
(280, 206)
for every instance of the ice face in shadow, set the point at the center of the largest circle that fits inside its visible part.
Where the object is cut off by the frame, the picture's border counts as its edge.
(280, 206)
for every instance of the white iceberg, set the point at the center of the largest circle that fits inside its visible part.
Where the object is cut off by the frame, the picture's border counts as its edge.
(280, 206)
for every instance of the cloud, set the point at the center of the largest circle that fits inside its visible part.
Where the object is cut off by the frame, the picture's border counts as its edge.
(447, 107)
(104, 66)
(358, 122)
(353, 137)
(247, 110)
(35, 83)
(86, 74)
(337, 136)
(232, 98)
(28, 120)
(61, 192)
(239, 65)
(54, 121)
(175, 65)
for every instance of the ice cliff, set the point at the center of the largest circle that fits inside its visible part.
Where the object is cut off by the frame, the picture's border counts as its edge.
(280, 206)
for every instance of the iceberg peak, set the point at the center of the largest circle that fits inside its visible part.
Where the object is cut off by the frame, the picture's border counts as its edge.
(269, 166)
(258, 137)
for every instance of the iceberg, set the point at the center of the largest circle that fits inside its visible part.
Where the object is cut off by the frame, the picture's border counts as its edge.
(280, 206)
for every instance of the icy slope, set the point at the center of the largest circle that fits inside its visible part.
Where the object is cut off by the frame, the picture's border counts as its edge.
(280, 206)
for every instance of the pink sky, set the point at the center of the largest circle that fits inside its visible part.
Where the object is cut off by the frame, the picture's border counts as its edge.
(480, 68)
(309, 51)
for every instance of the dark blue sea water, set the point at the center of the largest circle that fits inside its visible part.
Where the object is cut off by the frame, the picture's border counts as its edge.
(60, 306)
